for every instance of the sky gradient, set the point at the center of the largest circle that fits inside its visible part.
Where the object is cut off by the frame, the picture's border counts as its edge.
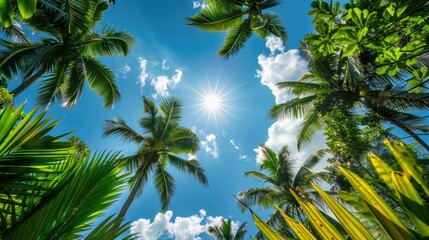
(172, 59)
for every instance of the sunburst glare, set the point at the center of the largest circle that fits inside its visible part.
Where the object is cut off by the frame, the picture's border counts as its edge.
(214, 103)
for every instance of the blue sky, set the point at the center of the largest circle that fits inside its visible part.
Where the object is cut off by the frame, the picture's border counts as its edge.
(174, 59)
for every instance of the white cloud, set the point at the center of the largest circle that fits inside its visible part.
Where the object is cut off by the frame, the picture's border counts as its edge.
(124, 70)
(287, 66)
(234, 145)
(281, 67)
(162, 84)
(210, 145)
(243, 157)
(197, 4)
(182, 228)
(164, 65)
(143, 74)
(274, 43)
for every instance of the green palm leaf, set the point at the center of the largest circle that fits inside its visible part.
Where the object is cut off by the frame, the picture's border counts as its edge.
(236, 39)
(101, 79)
(27, 157)
(165, 185)
(210, 19)
(110, 42)
(191, 167)
(67, 212)
(296, 107)
(311, 124)
(120, 128)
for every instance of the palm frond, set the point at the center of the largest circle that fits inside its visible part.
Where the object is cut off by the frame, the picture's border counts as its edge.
(14, 33)
(165, 185)
(191, 167)
(269, 3)
(69, 211)
(212, 19)
(119, 127)
(73, 88)
(257, 175)
(171, 108)
(101, 79)
(300, 88)
(110, 228)
(31, 161)
(182, 140)
(241, 232)
(274, 25)
(77, 15)
(296, 107)
(310, 125)
(50, 89)
(263, 197)
(236, 39)
(12, 56)
(110, 42)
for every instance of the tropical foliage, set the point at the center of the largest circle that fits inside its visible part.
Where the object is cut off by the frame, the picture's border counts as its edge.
(279, 175)
(240, 18)
(45, 191)
(66, 56)
(352, 69)
(226, 232)
(368, 204)
(161, 141)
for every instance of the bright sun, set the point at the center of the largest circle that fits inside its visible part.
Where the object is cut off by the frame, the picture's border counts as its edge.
(212, 102)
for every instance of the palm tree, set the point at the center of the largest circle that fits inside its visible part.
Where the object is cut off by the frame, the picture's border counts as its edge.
(340, 82)
(45, 191)
(241, 18)
(66, 56)
(279, 177)
(225, 231)
(162, 139)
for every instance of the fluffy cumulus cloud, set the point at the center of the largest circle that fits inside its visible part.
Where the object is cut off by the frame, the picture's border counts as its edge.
(162, 84)
(274, 43)
(285, 66)
(182, 228)
(199, 4)
(280, 67)
(210, 145)
(143, 74)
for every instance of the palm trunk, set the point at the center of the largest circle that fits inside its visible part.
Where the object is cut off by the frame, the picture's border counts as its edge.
(24, 85)
(410, 132)
(130, 198)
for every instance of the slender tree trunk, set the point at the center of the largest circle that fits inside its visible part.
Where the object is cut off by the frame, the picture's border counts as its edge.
(24, 85)
(131, 197)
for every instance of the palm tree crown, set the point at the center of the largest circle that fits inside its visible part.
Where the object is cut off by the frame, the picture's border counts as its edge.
(66, 56)
(226, 232)
(279, 177)
(241, 18)
(159, 145)
(338, 82)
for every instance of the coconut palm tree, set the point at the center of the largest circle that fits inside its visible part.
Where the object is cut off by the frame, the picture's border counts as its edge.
(240, 18)
(279, 175)
(161, 141)
(340, 82)
(226, 232)
(67, 54)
